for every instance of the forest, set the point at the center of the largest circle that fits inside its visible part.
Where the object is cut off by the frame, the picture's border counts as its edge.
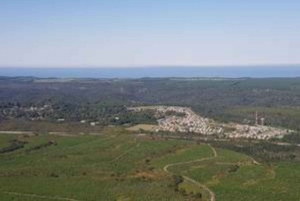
(105, 100)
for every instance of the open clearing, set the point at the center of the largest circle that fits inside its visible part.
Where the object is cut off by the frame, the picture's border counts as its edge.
(145, 127)
(118, 166)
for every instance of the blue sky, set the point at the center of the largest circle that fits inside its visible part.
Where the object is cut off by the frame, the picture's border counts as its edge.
(122, 33)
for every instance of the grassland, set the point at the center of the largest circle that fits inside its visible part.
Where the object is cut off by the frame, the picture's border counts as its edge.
(119, 165)
(145, 127)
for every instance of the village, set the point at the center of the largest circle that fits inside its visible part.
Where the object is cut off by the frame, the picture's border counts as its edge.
(184, 120)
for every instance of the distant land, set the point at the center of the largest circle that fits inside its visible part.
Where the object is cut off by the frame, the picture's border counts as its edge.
(139, 72)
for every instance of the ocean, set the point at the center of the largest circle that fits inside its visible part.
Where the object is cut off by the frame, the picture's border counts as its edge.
(141, 72)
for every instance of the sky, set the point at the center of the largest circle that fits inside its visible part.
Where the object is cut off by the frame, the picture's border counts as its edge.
(134, 33)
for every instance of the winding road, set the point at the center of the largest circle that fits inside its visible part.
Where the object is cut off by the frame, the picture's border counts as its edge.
(211, 193)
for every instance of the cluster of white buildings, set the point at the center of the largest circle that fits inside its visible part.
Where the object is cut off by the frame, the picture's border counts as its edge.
(190, 122)
(256, 132)
(187, 123)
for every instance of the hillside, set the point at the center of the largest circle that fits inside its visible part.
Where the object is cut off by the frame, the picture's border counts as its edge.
(120, 165)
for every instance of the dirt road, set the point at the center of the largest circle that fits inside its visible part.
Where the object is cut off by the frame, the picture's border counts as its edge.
(200, 185)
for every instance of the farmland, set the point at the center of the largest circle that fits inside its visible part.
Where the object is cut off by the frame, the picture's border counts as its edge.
(120, 165)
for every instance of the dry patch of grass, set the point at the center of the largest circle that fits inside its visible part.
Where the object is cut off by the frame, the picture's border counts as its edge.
(147, 175)
(145, 127)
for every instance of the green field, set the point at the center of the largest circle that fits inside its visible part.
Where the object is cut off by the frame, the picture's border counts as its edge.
(119, 166)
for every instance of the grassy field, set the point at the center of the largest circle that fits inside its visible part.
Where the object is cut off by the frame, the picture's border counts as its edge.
(145, 127)
(120, 166)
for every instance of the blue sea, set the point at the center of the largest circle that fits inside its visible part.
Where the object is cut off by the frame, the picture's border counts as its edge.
(140, 72)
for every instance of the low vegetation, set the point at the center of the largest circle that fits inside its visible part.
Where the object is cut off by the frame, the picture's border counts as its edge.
(120, 165)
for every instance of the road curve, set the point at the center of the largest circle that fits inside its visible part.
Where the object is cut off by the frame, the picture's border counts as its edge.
(211, 193)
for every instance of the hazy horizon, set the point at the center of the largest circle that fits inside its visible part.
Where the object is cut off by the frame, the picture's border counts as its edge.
(139, 72)
(155, 66)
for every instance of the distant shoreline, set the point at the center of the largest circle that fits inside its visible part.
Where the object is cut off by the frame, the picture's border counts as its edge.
(284, 71)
